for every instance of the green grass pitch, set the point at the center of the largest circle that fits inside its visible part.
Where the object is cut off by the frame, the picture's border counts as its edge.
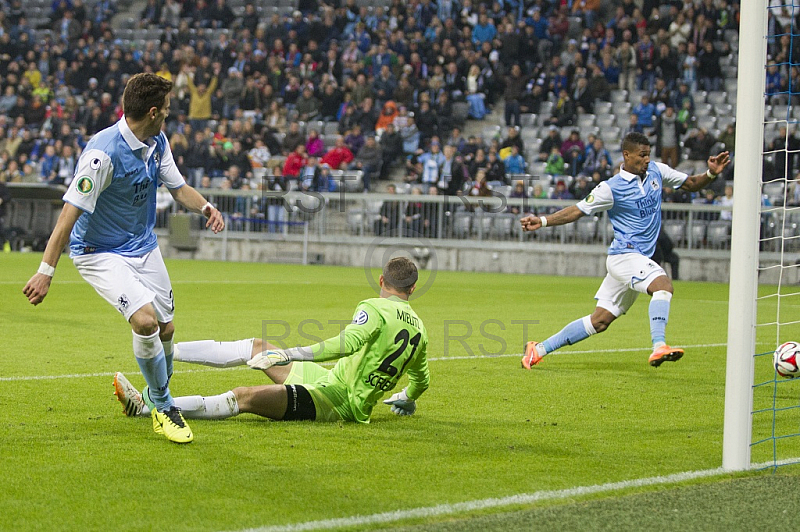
(595, 414)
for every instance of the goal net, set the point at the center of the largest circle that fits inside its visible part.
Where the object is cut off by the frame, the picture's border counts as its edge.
(762, 409)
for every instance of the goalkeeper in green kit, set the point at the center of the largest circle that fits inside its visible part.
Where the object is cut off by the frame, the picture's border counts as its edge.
(385, 340)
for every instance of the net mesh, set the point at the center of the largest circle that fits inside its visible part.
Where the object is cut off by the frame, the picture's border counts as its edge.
(776, 400)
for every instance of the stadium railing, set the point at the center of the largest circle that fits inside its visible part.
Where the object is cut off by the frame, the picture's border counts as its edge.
(344, 215)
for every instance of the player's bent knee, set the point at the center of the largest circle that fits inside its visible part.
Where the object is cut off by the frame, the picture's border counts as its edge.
(143, 323)
(258, 346)
(660, 283)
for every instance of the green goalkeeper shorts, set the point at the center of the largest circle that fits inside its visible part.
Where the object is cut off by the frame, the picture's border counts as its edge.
(330, 399)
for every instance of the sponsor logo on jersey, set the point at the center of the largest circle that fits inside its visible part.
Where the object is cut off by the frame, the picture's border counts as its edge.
(85, 185)
(361, 318)
(95, 164)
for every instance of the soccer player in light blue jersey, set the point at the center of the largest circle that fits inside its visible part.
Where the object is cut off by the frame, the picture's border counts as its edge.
(632, 199)
(108, 218)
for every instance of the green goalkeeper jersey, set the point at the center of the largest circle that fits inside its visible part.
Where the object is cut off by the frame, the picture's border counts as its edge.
(385, 340)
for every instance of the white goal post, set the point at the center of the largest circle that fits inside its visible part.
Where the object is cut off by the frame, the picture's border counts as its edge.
(737, 433)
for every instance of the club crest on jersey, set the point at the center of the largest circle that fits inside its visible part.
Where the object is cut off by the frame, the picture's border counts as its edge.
(361, 318)
(95, 164)
(654, 184)
(123, 302)
(84, 185)
(157, 158)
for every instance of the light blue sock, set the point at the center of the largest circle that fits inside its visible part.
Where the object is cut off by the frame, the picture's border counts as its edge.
(169, 353)
(149, 353)
(573, 333)
(659, 316)
(155, 375)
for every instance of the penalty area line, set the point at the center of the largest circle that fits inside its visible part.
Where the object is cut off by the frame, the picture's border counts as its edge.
(512, 500)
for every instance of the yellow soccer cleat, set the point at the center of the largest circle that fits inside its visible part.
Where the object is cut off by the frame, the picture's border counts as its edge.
(171, 424)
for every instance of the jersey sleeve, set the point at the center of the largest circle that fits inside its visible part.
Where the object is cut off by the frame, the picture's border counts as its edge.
(366, 324)
(419, 377)
(93, 175)
(168, 171)
(671, 177)
(599, 200)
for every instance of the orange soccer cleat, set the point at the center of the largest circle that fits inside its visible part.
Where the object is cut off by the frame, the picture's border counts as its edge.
(532, 356)
(665, 353)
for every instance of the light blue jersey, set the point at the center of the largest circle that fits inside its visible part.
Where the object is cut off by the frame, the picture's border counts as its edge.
(115, 185)
(634, 207)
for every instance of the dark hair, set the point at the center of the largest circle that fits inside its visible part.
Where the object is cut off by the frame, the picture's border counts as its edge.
(142, 93)
(400, 274)
(632, 140)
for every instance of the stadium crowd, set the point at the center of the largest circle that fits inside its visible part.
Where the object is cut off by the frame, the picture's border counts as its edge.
(327, 85)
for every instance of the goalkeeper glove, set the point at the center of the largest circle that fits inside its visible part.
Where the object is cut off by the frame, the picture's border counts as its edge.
(269, 358)
(401, 404)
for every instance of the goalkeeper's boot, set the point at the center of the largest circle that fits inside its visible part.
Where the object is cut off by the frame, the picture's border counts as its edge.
(167, 425)
(171, 424)
(532, 356)
(665, 353)
(131, 399)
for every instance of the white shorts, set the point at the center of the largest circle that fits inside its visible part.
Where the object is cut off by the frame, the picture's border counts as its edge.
(129, 283)
(628, 275)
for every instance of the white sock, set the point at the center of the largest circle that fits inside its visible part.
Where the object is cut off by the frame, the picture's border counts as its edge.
(215, 407)
(216, 354)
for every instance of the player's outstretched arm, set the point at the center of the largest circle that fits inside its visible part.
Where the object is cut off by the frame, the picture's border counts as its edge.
(716, 164)
(562, 217)
(37, 287)
(195, 202)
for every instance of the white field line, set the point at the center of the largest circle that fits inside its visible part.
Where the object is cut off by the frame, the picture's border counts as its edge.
(513, 500)
(219, 281)
(430, 359)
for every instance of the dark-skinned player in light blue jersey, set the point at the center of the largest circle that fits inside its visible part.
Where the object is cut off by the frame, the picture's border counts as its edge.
(632, 199)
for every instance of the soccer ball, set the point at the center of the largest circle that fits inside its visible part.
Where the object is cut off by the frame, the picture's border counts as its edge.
(787, 360)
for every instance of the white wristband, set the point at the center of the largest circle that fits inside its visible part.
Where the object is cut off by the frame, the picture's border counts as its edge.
(543, 221)
(208, 205)
(46, 269)
(710, 175)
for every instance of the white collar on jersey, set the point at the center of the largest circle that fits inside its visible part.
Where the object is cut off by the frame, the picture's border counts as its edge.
(134, 143)
(130, 138)
(627, 176)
